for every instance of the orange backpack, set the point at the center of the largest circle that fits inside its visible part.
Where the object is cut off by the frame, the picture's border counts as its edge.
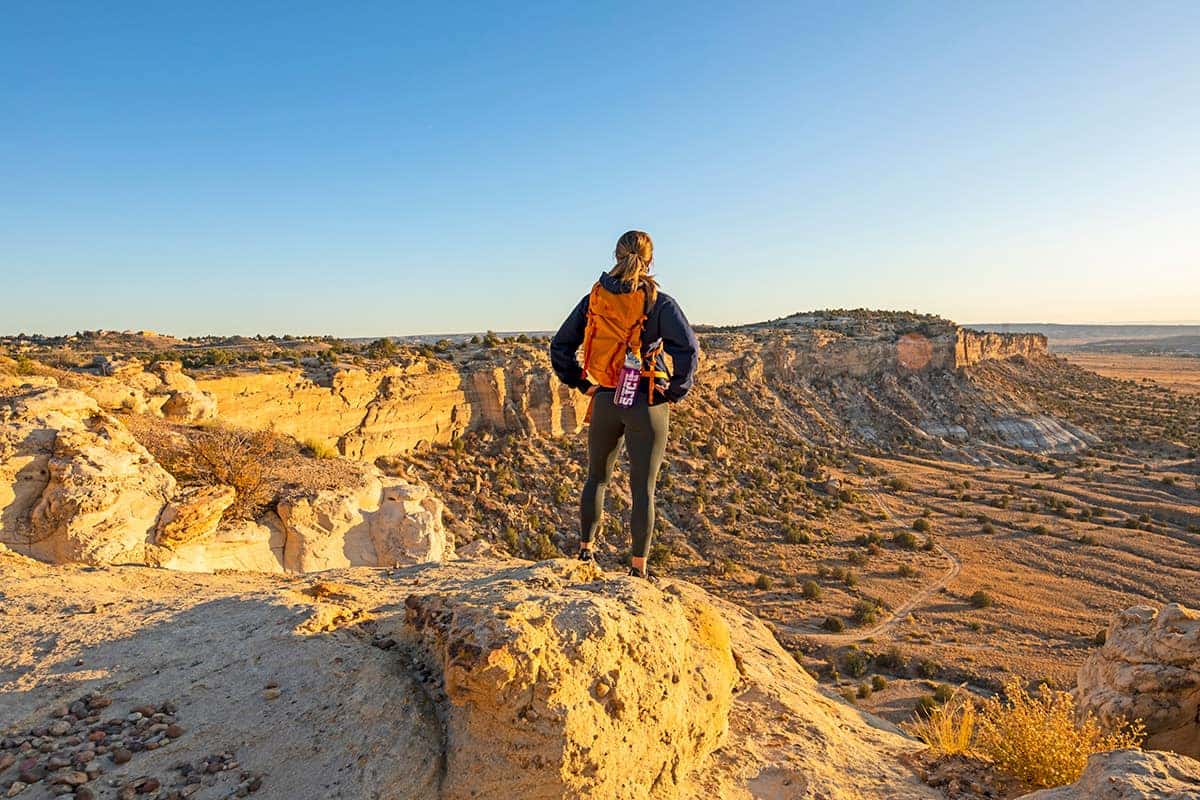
(614, 326)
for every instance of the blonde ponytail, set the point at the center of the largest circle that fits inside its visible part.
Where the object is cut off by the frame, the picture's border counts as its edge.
(634, 254)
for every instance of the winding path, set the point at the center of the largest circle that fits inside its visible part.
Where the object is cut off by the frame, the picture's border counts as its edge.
(897, 616)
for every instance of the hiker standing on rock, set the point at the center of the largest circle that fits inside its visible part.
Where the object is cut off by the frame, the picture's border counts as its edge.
(625, 325)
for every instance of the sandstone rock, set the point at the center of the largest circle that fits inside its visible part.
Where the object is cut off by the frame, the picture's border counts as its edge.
(188, 405)
(74, 484)
(194, 516)
(373, 413)
(520, 654)
(171, 376)
(243, 545)
(1131, 775)
(1149, 669)
(377, 521)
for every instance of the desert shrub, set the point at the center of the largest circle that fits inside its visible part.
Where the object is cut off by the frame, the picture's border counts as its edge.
(811, 590)
(906, 539)
(26, 366)
(878, 683)
(922, 525)
(948, 728)
(891, 660)
(864, 690)
(925, 707)
(1040, 739)
(943, 693)
(833, 624)
(857, 558)
(865, 612)
(763, 582)
(855, 662)
(927, 668)
(229, 456)
(848, 694)
(319, 448)
(511, 540)
(906, 571)
(1089, 540)
(795, 535)
(538, 547)
(849, 578)
(660, 555)
(981, 599)
(988, 528)
(1101, 637)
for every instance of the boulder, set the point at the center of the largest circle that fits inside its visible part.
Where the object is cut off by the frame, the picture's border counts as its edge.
(74, 484)
(102, 499)
(1131, 775)
(193, 516)
(374, 521)
(189, 405)
(561, 684)
(242, 545)
(1149, 669)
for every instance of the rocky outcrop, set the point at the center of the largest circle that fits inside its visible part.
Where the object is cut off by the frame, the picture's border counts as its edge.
(189, 405)
(1149, 669)
(1131, 775)
(554, 689)
(555, 680)
(76, 486)
(374, 521)
(972, 347)
(372, 413)
(194, 516)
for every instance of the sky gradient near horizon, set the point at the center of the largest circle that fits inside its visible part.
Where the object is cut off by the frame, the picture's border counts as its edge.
(368, 169)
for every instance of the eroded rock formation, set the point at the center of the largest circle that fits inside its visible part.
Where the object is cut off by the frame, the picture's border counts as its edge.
(1149, 669)
(372, 413)
(76, 486)
(1131, 775)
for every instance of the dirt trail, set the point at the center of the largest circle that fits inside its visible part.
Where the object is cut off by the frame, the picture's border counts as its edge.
(898, 615)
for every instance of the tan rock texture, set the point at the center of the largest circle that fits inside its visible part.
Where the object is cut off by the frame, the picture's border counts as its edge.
(1149, 669)
(972, 347)
(188, 405)
(1131, 775)
(76, 486)
(371, 413)
(374, 521)
(282, 668)
(556, 688)
(193, 516)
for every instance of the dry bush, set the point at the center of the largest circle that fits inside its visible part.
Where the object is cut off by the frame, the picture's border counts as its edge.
(947, 728)
(1040, 739)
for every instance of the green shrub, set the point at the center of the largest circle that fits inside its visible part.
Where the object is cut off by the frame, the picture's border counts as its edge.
(855, 662)
(764, 582)
(833, 625)
(865, 612)
(906, 571)
(906, 539)
(922, 525)
(981, 599)
(811, 590)
(879, 683)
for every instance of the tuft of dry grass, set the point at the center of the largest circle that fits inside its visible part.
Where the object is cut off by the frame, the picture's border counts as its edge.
(948, 728)
(1040, 739)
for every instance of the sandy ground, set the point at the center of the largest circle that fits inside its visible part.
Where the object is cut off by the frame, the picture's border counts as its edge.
(1177, 372)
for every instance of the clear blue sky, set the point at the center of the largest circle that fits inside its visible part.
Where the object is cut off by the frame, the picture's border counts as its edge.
(372, 168)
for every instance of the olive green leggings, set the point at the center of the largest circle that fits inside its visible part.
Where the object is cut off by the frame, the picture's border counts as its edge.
(644, 428)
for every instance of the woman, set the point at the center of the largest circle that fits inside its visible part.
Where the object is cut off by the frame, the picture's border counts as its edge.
(625, 324)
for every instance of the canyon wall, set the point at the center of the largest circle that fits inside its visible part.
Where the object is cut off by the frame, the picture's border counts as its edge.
(370, 413)
(973, 346)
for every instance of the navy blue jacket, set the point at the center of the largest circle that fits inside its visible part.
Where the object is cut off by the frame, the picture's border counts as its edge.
(665, 321)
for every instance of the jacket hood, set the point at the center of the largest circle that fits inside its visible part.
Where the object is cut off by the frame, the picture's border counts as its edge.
(613, 284)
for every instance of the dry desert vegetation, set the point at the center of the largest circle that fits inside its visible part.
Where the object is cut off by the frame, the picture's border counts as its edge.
(900, 559)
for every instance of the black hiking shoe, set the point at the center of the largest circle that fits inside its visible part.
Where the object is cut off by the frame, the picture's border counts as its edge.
(647, 576)
(585, 554)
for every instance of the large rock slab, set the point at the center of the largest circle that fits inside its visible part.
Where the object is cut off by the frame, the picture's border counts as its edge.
(1131, 775)
(74, 483)
(560, 684)
(1149, 669)
(374, 521)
